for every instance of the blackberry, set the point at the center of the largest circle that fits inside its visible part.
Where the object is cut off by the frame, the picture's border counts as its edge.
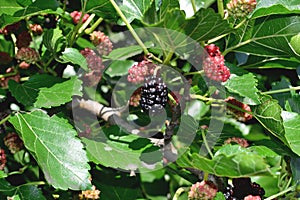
(257, 190)
(154, 95)
(228, 193)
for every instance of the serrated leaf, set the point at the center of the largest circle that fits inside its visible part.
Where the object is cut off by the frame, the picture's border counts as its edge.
(135, 9)
(53, 143)
(291, 123)
(271, 7)
(268, 36)
(102, 8)
(119, 68)
(245, 86)
(268, 113)
(75, 57)
(228, 162)
(59, 93)
(27, 92)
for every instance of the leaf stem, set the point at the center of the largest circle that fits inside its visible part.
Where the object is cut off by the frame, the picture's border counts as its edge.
(168, 57)
(282, 90)
(179, 191)
(132, 31)
(8, 74)
(4, 119)
(221, 8)
(281, 193)
(94, 26)
(207, 147)
(86, 23)
(236, 46)
(192, 73)
(194, 6)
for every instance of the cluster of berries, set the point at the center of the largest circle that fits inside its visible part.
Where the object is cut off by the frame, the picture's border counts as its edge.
(13, 142)
(244, 189)
(238, 114)
(102, 42)
(240, 8)
(240, 141)
(94, 57)
(214, 65)
(25, 55)
(2, 159)
(202, 190)
(138, 72)
(76, 15)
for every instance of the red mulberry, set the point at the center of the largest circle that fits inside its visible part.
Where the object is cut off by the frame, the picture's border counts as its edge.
(23, 39)
(203, 190)
(214, 66)
(94, 61)
(240, 8)
(77, 15)
(138, 72)
(2, 159)
(28, 55)
(102, 42)
(13, 142)
(238, 114)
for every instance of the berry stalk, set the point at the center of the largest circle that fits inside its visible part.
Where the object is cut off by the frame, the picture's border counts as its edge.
(282, 90)
(132, 31)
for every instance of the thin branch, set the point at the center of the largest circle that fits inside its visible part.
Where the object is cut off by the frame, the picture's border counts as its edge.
(132, 31)
(282, 90)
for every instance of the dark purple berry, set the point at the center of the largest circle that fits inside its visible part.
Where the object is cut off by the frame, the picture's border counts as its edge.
(154, 95)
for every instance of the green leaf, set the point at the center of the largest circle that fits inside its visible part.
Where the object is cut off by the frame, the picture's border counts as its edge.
(53, 143)
(11, 11)
(74, 56)
(119, 68)
(102, 8)
(268, 36)
(245, 86)
(126, 153)
(6, 188)
(165, 6)
(135, 9)
(283, 96)
(121, 185)
(271, 7)
(196, 109)
(268, 113)
(52, 40)
(27, 92)
(58, 94)
(291, 123)
(229, 161)
(205, 25)
(30, 192)
(126, 52)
